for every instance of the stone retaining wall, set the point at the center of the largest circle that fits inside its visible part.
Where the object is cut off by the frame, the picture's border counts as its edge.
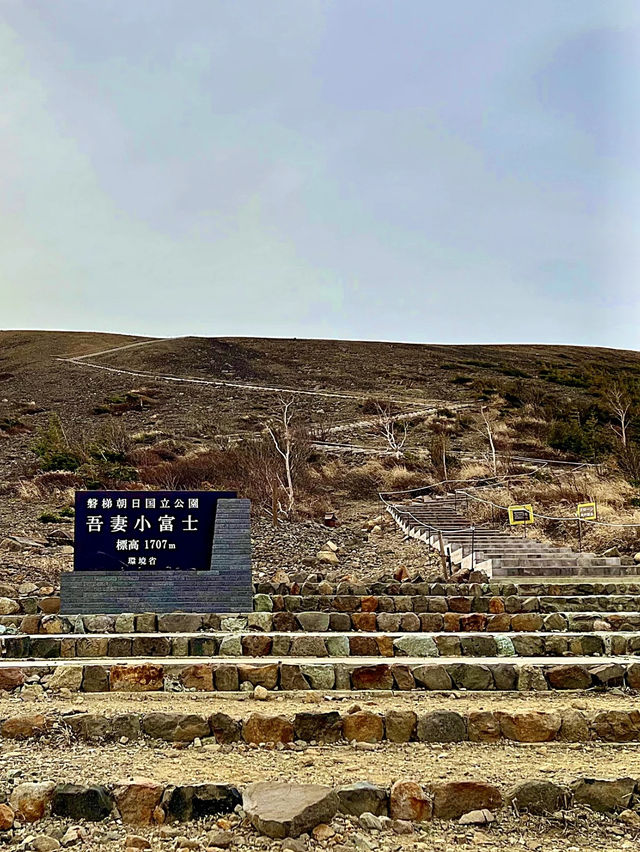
(325, 676)
(317, 645)
(397, 726)
(144, 802)
(321, 621)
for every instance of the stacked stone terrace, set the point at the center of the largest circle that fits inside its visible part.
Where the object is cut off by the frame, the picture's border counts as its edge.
(403, 647)
(326, 636)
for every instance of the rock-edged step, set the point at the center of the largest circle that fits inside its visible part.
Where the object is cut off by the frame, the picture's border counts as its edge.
(265, 725)
(455, 614)
(343, 674)
(87, 787)
(323, 645)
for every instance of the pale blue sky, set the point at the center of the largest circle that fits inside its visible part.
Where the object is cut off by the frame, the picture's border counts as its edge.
(456, 171)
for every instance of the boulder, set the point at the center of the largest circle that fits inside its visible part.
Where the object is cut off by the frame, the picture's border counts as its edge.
(529, 727)
(10, 679)
(266, 675)
(318, 727)
(363, 797)
(569, 677)
(415, 646)
(137, 800)
(372, 677)
(191, 802)
(539, 797)
(288, 810)
(471, 676)
(400, 725)
(313, 622)
(66, 677)
(7, 817)
(226, 678)
(24, 727)
(198, 677)
(603, 795)
(256, 645)
(175, 727)
(31, 801)
(483, 727)
(76, 801)
(145, 677)
(291, 677)
(9, 606)
(617, 726)
(434, 677)
(442, 726)
(409, 801)
(267, 729)
(320, 676)
(225, 729)
(363, 726)
(452, 800)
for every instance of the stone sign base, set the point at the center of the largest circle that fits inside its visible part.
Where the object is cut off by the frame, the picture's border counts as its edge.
(225, 587)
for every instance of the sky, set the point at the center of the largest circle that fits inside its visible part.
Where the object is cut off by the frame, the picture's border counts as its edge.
(454, 172)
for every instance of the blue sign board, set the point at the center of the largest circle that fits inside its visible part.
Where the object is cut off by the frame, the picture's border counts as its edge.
(145, 530)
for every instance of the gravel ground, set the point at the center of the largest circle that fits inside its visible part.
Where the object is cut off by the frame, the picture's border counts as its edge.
(331, 764)
(240, 705)
(577, 830)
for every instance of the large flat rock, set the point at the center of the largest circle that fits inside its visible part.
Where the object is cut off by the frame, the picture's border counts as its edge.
(289, 810)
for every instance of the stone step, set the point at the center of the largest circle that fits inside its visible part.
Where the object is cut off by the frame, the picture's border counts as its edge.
(262, 724)
(347, 673)
(553, 571)
(163, 797)
(281, 646)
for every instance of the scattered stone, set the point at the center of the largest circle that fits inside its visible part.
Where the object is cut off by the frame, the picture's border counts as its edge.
(408, 801)
(478, 817)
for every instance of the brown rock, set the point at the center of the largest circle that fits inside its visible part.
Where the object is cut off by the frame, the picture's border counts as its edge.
(500, 623)
(364, 621)
(291, 677)
(10, 679)
(226, 678)
(50, 606)
(474, 622)
(451, 801)
(363, 726)
(288, 810)
(256, 645)
(529, 727)
(451, 622)
(267, 729)
(23, 727)
(369, 603)
(569, 677)
(408, 801)
(32, 801)
(401, 725)
(496, 605)
(6, 817)
(617, 726)
(198, 677)
(363, 646)
(385, 645)
(136, 800)
(372, 677)
(483, 727)
(145, 677)
(403, 677)
(529, 622)
(266, 675)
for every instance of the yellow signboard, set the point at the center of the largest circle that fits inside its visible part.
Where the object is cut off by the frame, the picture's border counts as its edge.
(521, 515)
(587, 511)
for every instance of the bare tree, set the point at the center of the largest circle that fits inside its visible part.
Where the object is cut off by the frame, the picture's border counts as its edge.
(394, 433)
(489, 422)
(291, 443)
(620, 403)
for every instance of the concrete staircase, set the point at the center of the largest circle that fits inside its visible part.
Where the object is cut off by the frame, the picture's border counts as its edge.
(500, 554)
